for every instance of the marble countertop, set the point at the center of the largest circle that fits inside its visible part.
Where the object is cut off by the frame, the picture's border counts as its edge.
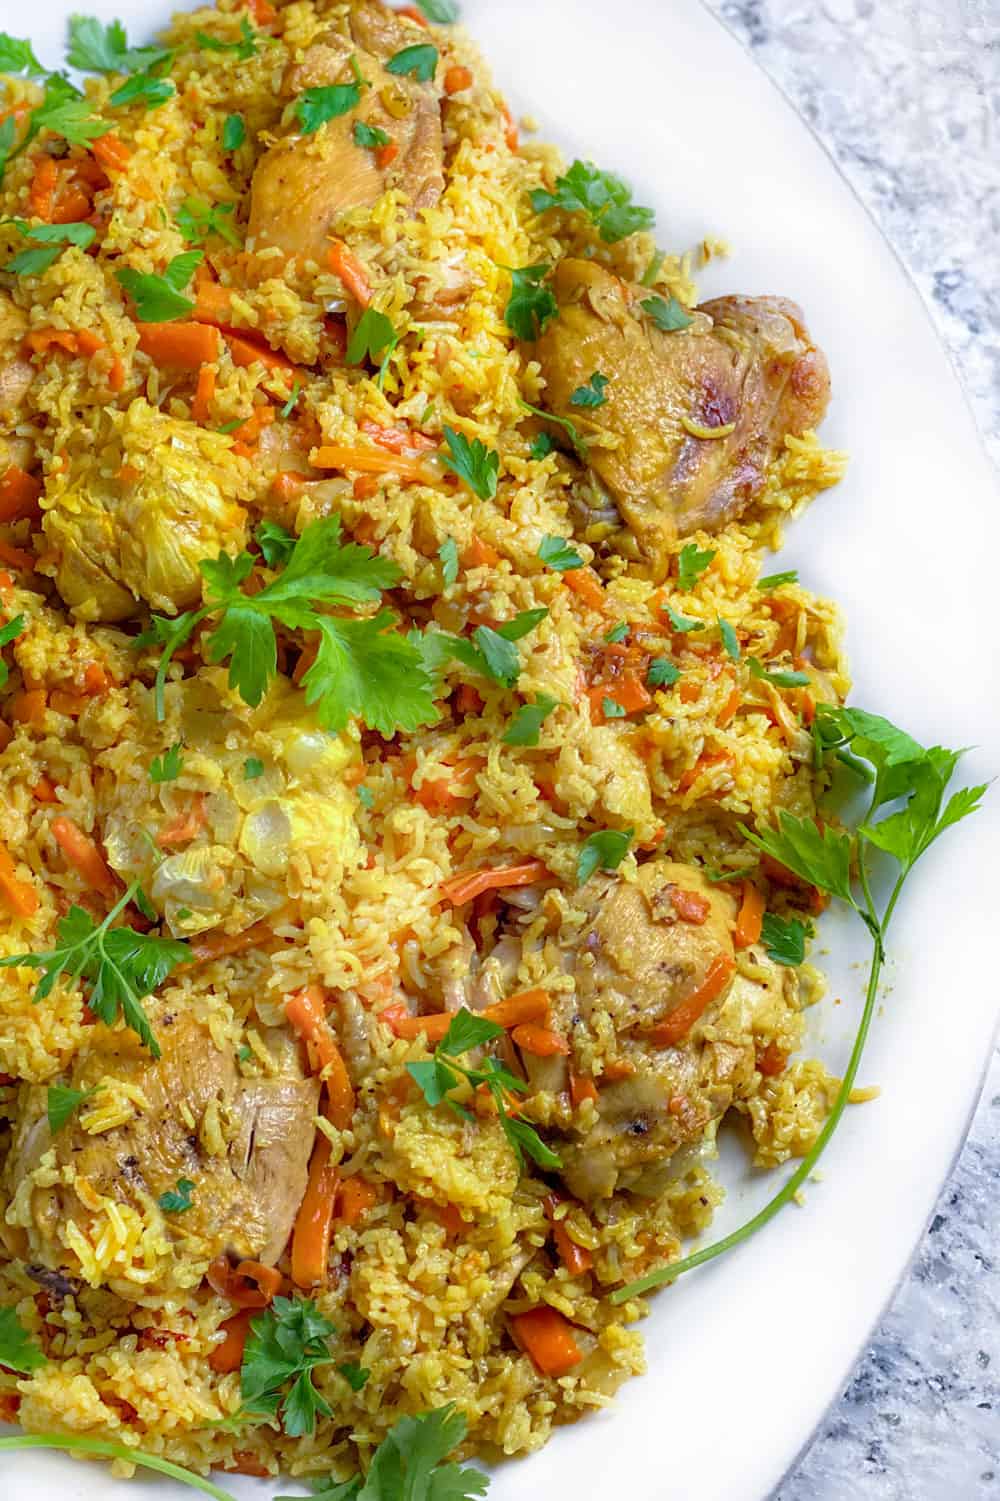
(906, 95)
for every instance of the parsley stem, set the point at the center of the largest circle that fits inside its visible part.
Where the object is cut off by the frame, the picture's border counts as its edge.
(667, 1274)
(105, 1449)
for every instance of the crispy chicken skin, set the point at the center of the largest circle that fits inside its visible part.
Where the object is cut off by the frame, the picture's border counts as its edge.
(748, 362)
(243, 1143)
(304, 183)
(640, 959)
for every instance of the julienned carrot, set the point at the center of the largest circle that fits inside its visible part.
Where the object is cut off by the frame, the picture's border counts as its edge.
(228, 1356)
(575, 1258)
(183, 346)
(95, 679)
(19, 492)
(357, 1196)
(44, 790)
(20, 897)
(87, 342)
(246, 351)
(729, 709)
(219, 945)
(248, 1285)
(16, 557)
(28, 706)
(547, 1337)
(683, 1017)
(750, 919)
(704, 763)
(204, 394)
(86, 859)
(40, 340)
(526, 1006)
(447, 793)
(585, 583)
(371, 461)
(629, 693)
(186, 826)
(112, 153)
(213, 303)
(581, 1088)
(314, 1221)
(479, 554)
(433, 1027)
(41, 194)
(306, 1013)
(345, 264)
(262, 11)
(413, 13)
(397, 439)
(541, 1042)
(467, 885)
(386, 155)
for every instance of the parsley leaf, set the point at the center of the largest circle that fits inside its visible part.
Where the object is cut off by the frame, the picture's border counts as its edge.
(197, 219)
(691, 563)
(9, 633)
(66, 116)
(779, 678)
(253, 767)
(365, 668)
(775, 580)
(95, 48)
(407, 1465)
(16, 56)
(525, 723)
(667, 313)
(167, 768)
(591, 394)
(315, 107)
(681, 623)
(179, 1200)
(245, 48)
(286, 1344)
(53, 238)
(121, 966)
(729, 641)
(490, 652)
(540, 446)
(440, 1074)
(569, 428)
(18, 1351)
(818, 858)
(473, 462)
(421, 60)
(145, 88)
(366, 797)
(369, 136)
(444, 12)
(448, 553)
(662, 673)
(60, 1104)
(8, 135)
(604, 850)
(531, 305)
(611, 709)
(374, 337)
(275, 543)
(234, 132)
(785, 940)
(158, 298)
(617, 633)
(354, 1375)
(557, 553)
(604, 198)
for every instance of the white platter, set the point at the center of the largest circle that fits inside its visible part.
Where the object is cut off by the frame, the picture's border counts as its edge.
(745, 1356)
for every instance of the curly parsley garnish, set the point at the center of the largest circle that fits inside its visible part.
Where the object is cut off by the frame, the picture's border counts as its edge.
(439, 1075)
(909, 784)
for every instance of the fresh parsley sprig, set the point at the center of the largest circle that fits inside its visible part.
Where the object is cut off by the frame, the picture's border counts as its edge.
(604, 198)
(473, 462)
(158, 299)
(531, 304)
(18, 1351)
(121, 966)
(691, 564)
(197, 219)
(907, 813)
(9, 633)
(439, 1075)
(96, 48)
(420, 60)
(61, 1103)
(47, 243)
(284, 1347)
(667, 314)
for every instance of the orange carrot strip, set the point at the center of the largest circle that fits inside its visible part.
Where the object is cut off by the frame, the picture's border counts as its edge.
(116, 375)
(369, 461)
(547, 1337)
(628, 693)
(40, 340)
(314, 1221)
(467, 885)
(433, 1027)
(345, 264)
(576, 1259)
(386, 155)
(28, 707)
(357, 1196)
(750, 919)
(19, 492)
(267, 1278)
(41, 194)
(112, 153)
(44, 791)
(70, 704)
(86, 859)
(186, 826)
(397, 439)
(773, 1060)
(479, 554)
(20, 896)
(306, 1013)
(690, 906)
(220, 945)
(262, 11)
(287, 485)
(87, 342)
(228, 1356)
(185, 346)
(510, 134)
(456, 79)
(683, 1017)
(246, 351)
(212, 303)
(17, 557)
(728, 711)
(541, 1042)
(448, 793)
(413, 13)
(526, 1006)
(95, 679)
(581, 1088)
(585, 583)
(204, 394)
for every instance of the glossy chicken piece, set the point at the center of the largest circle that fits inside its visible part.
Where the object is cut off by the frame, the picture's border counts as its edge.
(641, 958)
(16, 373)
(139, 533)
(744, 362)
(244, 1144)
(305, 183)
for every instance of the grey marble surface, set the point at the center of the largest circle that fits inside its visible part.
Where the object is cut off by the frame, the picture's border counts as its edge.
(907, 98)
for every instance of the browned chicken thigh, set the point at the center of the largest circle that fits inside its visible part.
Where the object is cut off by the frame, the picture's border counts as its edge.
(697, 413)
(243, 1144)
(303, 185)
